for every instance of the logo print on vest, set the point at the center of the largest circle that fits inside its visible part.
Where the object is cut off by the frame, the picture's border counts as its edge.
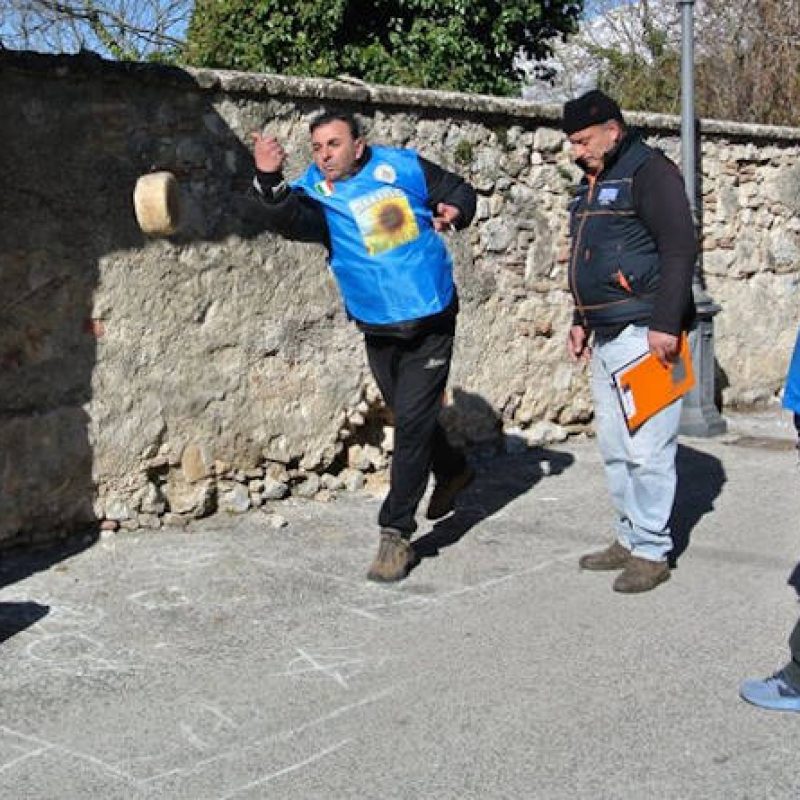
(384, 173)
(608, 194)
(324, 187)
(385, 219)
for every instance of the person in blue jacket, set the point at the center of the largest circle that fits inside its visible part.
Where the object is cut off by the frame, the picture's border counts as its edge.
(380, 213)
(791, 390)
(781, 691)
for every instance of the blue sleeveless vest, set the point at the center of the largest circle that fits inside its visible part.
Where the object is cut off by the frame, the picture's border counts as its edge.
(390, 264)
(791, 392)
(614, 269)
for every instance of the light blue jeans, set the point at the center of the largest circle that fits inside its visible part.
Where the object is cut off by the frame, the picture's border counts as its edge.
(640, 467)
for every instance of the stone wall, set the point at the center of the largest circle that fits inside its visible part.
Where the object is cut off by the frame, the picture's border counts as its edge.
(147, 381)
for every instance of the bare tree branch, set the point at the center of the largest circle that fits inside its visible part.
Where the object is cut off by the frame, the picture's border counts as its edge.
(747, 59)
(131, 29)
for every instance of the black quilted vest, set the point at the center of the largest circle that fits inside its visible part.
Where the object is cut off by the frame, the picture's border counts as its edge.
(614, 265)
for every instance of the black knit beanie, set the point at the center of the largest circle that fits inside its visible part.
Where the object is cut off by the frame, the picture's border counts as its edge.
(589, 109)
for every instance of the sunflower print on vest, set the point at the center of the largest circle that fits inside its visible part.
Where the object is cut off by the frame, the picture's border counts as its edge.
(385, 219)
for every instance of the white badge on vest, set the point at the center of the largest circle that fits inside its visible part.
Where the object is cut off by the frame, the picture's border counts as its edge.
(607, 195)
(385, 173)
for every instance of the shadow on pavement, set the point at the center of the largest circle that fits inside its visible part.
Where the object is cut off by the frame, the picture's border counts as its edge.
(498, 481)
(794, 579)
(15, 617)
(700, 481)
(19, 563)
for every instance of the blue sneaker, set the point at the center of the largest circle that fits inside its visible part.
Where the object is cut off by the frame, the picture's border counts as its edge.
(774, 693)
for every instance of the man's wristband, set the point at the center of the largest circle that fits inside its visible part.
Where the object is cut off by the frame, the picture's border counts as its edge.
(271, 185)
(280, 190)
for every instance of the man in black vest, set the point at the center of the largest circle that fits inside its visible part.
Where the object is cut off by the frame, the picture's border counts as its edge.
(633, 251)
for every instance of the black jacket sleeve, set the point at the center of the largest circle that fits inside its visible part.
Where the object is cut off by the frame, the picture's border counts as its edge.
(447, 187)
(294, 216)
(659, 198)
(290, 213)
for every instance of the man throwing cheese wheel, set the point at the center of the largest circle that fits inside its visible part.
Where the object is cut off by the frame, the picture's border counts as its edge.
(379, 212)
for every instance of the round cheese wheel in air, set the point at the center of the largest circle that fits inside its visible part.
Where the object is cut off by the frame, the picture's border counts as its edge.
(156, 203)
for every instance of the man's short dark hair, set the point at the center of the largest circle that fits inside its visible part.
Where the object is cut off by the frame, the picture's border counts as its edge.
(592, 108)
(324, 117)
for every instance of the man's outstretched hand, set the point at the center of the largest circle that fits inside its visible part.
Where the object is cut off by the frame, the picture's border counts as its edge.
(268, 153)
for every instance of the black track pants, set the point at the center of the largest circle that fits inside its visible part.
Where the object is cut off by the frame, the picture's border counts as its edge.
(793, 667)
(412, 374)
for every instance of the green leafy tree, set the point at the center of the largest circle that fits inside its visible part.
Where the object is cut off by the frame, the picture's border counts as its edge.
(443, 44)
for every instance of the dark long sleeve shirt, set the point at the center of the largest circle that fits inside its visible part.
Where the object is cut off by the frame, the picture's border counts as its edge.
(659, 197)
(297, 217)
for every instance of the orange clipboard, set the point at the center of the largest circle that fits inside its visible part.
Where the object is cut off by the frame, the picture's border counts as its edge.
(644, 386)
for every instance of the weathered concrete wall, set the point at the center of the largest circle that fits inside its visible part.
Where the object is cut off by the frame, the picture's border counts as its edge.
(142, 380)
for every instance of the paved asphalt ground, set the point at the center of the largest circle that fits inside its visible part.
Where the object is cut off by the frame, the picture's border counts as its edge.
(237, 660)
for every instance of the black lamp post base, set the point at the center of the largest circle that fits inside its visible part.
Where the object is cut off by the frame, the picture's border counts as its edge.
(703, 421)
(699, 416)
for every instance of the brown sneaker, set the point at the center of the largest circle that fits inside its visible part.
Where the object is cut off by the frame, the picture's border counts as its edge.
(443, 497)
(394, 559)
(641, 575)
(615, 556)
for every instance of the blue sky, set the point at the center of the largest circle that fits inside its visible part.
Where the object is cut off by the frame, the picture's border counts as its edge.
(10, 27)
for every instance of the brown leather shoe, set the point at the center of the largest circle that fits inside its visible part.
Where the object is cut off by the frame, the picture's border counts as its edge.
(641, 575)
(615, 556)
(443, 497)
(394, 559)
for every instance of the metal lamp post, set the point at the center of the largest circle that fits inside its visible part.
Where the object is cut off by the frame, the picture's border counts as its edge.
(700, 416)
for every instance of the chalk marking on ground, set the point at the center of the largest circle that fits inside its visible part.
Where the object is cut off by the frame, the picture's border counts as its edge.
(329, 664)
(182, 559)
(67, 662)
(362, 585)
(45, 746)
(362, 612)
(478, 587)
(219, 715)
(217, 723)
(192, 737)
(180, 600)
(23, 757)
(259, 745)
(331, 671)
(63, 616)
(286, 770)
